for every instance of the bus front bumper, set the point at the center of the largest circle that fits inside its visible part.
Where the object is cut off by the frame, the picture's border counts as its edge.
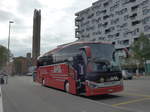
(103, 89)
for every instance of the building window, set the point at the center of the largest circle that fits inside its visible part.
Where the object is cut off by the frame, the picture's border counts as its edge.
(123, 42)
(106, 4)
(90, 28)
(105, 17)
(117, 34)
(114, 7)
(147, 28)
(132, 0)
(124, 2)
(126, 17)
(134, 8)
(134, 32)
(145, 2)
(112, 28)
(90, 16)
(136, 22)
(113, 43)
(101, 38)
(133, 16)
(110, 36)
(126, 42)
(100, 25)
(146, 20)
(85, 23)
(114, 21)
(122, 11)
(104, 11)
(111, 15)
(146, 11)
(105, 24)
(123, 25)
(107, 31)
(135, 39)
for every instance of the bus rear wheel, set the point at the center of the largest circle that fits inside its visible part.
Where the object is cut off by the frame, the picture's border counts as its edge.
(43, 82)
(67, 87)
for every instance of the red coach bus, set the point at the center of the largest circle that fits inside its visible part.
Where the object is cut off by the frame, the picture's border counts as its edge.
(81, 68)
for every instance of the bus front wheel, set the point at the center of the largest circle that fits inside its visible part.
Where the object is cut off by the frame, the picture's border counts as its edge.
(67, 87)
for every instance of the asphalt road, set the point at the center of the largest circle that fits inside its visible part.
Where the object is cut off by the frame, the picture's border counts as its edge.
(135, 97)
(22, 95)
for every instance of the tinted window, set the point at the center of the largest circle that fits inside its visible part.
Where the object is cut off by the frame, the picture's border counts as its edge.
(70, 49)
(103, 51)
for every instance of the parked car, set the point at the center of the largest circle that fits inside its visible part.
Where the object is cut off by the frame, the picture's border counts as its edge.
(31, 70)
(29, 74)
(3, 77)
(127, 75)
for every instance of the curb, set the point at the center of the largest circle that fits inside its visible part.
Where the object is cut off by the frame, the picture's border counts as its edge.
(141, 77)
(1, 104)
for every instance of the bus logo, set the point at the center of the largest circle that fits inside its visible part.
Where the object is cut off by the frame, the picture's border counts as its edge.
(57, 69)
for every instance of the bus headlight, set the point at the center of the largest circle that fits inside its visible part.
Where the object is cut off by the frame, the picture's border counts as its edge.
(102, 80)
(92, 85)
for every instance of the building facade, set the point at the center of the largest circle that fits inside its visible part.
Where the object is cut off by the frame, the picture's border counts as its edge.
(118, 21)
(36, 34)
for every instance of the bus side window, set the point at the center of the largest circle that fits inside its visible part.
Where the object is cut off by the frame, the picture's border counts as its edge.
(65, 53)
(45, 60)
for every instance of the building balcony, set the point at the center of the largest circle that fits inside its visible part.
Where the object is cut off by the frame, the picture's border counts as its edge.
(76, 23)
(78, 19)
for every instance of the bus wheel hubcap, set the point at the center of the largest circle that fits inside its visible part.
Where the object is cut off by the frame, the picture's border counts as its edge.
(43, 82)
(67, 87)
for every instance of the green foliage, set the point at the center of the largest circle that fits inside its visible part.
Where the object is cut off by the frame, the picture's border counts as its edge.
(141, 48)
(3, 56)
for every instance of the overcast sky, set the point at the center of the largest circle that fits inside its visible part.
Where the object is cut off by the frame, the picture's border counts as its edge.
(57, 22)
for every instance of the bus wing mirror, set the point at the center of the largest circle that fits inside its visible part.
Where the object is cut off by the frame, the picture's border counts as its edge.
(87, 50)
(70, 59)
(114, 56)
(126, 51)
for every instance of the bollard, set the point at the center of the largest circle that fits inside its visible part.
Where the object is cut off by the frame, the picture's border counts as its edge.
(1, 80)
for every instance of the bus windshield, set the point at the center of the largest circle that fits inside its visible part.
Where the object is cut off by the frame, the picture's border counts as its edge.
(102, 51)
(102, 58)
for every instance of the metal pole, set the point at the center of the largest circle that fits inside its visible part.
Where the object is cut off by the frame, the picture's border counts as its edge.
(9, 38)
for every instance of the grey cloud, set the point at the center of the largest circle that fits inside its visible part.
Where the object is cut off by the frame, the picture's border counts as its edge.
(50, 41)
(19, 25)
(22, 52)
(56, 39)
(26, 6)
(5, 16)
(21, 28)
(18, 47)
(18, 20)
(3, 42)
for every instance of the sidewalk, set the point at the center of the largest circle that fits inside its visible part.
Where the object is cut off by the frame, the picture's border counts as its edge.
(141, 77)
(1, 105)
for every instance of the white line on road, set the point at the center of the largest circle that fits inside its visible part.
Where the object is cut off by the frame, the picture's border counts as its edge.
(1, 104)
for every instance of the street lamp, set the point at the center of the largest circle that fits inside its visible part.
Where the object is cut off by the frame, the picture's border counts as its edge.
(10, 22)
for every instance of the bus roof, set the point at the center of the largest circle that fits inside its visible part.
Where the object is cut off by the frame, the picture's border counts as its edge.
(72, 43)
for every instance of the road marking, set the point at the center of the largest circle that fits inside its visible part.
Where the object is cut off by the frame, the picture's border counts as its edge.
(1, 104)
(131, 101)
(135, 94)
(105, 104)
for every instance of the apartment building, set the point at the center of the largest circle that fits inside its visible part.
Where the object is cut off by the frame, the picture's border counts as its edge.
(118, 21)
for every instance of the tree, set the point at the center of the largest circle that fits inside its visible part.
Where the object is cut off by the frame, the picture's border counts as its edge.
(141, 48)
(140, 51)
(3, 56)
